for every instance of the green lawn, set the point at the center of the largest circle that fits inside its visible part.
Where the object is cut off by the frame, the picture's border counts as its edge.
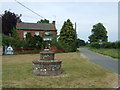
(110, 52)
(78, 73)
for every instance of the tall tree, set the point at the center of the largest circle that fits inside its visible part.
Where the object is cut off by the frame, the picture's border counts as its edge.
(68, 35)
(9, 21)
(43, 21)
(99, 33)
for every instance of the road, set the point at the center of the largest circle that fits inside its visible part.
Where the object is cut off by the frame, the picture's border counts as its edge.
(102, 60)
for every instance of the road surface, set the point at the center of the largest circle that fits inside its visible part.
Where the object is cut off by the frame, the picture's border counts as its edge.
(104, 61)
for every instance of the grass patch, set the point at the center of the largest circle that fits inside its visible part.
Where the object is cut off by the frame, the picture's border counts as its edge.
(78, 73)
(110, 52)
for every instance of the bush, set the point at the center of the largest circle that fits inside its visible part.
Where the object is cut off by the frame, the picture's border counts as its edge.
(80, 42)
(95, 45)
(59, 45)
(6, 41)
(117, 44)
(34, 42)
(65, 47)
(110, 45)
(106, 45)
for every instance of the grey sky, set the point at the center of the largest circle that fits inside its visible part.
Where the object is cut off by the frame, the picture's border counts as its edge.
(85, 14)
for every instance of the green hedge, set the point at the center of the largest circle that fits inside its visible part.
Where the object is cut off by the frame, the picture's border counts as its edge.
(112, 45)
(6, 41)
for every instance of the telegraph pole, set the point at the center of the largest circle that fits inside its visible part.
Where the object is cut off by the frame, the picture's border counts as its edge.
(75, 29)
(75, 26)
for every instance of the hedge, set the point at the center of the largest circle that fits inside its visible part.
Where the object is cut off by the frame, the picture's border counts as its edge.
(111, 45)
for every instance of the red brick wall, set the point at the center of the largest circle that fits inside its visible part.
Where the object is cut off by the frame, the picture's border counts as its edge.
(21, 32)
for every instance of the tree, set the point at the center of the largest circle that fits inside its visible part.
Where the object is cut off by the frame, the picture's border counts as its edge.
(38, 41)
(43, 21)
(28, 36)
(68, 36)
(80, 42)
(29, 40)
(9, 21)
(33, 41)
(7, 40)
(15, 34)
(99, 33)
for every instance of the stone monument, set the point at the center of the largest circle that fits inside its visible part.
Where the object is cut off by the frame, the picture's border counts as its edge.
(47, 65)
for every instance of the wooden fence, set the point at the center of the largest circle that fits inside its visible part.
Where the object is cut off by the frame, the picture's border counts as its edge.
(19, 50)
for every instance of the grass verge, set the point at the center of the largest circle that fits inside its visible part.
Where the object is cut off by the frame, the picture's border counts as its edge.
(78, 73)
(110, 52)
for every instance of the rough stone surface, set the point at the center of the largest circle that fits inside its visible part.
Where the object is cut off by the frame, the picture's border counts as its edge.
(47, 56)
(47, 68)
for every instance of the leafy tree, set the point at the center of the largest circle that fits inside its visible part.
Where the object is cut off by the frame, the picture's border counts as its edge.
(43, 21)
(28, 36)
(86, 43)
(15, 34)
(7, 40)
(68, 36)
(99, 33)
(9, 21)
(33, 41)
(29, 39)
(38, 41)
(80, 42)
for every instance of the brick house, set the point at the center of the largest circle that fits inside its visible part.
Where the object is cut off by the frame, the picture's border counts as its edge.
(35, 29)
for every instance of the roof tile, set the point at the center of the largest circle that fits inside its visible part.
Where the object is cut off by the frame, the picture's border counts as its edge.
(36, 26)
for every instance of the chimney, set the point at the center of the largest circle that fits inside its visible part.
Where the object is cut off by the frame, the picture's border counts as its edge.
(53, 22)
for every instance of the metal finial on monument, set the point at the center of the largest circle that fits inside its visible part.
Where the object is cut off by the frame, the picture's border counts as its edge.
(47, 38)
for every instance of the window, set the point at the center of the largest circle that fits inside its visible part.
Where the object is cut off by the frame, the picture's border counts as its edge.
(24, 35)
(36, 33)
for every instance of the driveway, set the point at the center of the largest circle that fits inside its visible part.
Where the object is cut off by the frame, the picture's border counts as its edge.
(107, 62)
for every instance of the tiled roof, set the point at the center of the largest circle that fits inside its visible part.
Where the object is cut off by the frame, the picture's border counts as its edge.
(36, 26)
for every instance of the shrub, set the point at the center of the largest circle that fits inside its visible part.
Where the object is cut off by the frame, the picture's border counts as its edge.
(6, 40)
(114, 45)
(59, 45)
(34, 42)
(106, 45)
(117, 44)
(65, 47)
(95, 45)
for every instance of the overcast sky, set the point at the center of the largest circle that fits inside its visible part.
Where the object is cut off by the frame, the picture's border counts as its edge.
(85, 14)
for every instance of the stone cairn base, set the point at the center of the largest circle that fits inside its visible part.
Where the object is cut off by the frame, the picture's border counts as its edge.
(47, 66)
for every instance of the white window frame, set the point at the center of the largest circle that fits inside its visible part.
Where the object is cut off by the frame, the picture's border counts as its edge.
(24, 34)
(37, 33)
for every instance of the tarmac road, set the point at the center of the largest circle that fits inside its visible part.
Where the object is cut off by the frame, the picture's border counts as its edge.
(102, 60)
